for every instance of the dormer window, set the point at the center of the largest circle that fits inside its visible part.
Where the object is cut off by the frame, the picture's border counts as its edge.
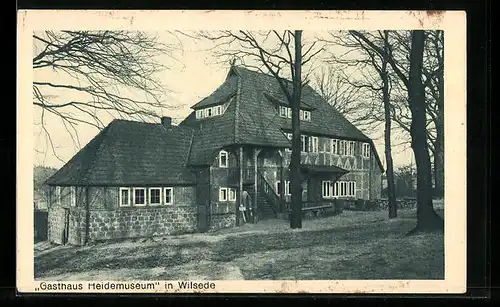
(366, 150)
(286, 112)
(283, 111)
(223, 158)
(212, 111)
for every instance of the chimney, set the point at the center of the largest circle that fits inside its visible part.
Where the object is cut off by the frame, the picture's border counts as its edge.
(166, 121)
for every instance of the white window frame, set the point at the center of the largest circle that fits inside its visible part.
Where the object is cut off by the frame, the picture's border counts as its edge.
(149, 196)
(289, 137)
(366, 150)
(199, 114)
(286, 188)
(351, 148)
(301, 115)
(334, 143)
(342, 147)
(289, 112)
(171, 202)
(326, 190)
(218, 110)
(307, 116)
(221, 153)
(303, 143)
(231, 194)
(145, 197)
(221, 198)
(313, 144)
(352, 188)
(129, 200)
(283, 111)
(210, 112)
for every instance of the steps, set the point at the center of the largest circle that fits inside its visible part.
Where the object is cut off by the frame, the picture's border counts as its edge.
(265, 208)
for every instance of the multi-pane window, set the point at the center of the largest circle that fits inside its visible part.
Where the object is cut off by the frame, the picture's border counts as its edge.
(303, 143)
(366, 150)
(289, 137)
(210, 112)
(139, 196)
(286, 187)
(168, 195)
(338, 189)
(283, 111)
(334, 145)
(223, 158)
(307, 116)
(154, 196)
(232, 194)
(313, 144)
(351, 148)
(124, 197)
(222, 194)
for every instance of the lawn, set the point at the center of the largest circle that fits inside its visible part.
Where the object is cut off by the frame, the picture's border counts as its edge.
(353, 245)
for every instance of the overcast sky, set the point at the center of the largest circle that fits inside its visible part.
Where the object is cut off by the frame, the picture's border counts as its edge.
(195, 74)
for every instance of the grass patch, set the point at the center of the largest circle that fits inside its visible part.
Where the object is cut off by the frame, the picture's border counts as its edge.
(353, 245)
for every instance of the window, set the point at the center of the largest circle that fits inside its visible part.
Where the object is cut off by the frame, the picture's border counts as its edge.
(232, 194)
(342, 147)
(366, 150)
(218, 110)
(283, 111)
(57, 195)
(326, 189)
(301, 114)
(210, 112)
(352, 188)
(313, 144)
(334, 146)
(303, 141)
(288, 112)
(155, 196)
(287, 187)
(350, 148)
(223, 158)
(222, 194)
(72, 195)
(168, 195)
(139, 196)
(205, 113)
(307, 116)
(124, 197)
(199, 114)
(289, 137)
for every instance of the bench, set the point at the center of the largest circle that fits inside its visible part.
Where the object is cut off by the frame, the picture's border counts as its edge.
(313, 211)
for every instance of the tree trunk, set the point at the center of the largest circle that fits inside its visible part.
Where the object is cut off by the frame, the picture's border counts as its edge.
(439, 147)
(296, 205)
(391, 188)
(427, 218)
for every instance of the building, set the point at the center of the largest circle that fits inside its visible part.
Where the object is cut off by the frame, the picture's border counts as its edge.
(144, 179)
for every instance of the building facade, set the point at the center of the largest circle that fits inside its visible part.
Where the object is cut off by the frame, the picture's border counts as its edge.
(232, 152)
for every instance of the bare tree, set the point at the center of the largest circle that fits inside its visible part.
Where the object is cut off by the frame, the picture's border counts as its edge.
(106, 72)
(427, 218)
(335, 88)
(374, 79)
(282, 54)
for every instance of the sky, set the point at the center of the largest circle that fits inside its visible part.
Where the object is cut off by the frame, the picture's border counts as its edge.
(194, 74)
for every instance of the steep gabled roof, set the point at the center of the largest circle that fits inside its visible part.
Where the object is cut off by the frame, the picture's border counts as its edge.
(252, 117)
(130, 153)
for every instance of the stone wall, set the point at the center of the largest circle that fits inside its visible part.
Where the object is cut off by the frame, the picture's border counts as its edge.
(220, 221)
(56, 224)
(141, 222)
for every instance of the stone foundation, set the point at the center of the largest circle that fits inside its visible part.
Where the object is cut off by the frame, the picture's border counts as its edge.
(141, 222)
(220, 221)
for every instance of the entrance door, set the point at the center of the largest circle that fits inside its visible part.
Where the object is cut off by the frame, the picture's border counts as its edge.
(66, 226)
(202, 218)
